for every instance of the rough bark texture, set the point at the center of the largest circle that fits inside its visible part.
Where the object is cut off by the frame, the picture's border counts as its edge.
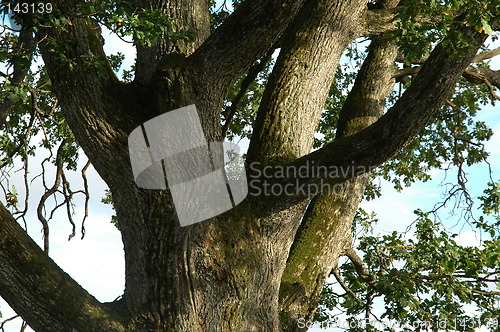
(190, 16)
(325, 230)
(311, 50)
(26, 273)
(223, 274)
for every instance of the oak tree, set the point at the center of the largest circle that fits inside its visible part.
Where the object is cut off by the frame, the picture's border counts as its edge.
(269, 71)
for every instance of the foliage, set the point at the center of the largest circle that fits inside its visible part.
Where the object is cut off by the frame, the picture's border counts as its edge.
(108, 199)
(452, 138)
(425, 278)
(417, 35)
(145, 26)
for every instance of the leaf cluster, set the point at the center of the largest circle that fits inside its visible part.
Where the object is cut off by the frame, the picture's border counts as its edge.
(425, 278)
(453, 137)
(421, 24)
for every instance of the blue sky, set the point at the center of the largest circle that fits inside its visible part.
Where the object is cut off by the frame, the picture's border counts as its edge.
(97, 261)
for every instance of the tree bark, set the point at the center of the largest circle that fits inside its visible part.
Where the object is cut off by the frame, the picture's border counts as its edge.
(286, 121)
(40, 292)
(223, 274)
(326, 229)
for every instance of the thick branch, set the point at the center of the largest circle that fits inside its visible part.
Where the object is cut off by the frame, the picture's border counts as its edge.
(479, 57)
(354, 155)
(487, 55)
(414, 70)
(325, 229)
(38, 290)
(312, 46)
(478, 75)
(244, 37)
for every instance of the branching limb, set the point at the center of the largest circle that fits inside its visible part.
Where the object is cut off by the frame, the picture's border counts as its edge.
(62, 186)
(361, 268)
(344, 286)
(49, 192)
(356, 154)
(243, 38)
(56, 299)
(484, 75)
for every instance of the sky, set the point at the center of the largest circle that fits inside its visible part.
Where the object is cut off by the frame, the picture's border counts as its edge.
(97, 263)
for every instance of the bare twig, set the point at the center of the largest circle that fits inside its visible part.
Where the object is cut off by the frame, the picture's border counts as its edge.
(2, 325)
(87, 196)
(68, 196)
(49, 193)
